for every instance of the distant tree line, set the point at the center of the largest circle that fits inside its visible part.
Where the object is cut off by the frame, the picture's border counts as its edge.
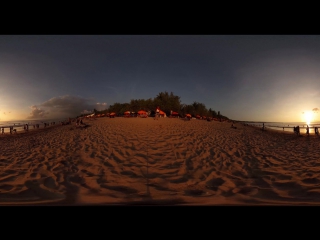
(167, 103)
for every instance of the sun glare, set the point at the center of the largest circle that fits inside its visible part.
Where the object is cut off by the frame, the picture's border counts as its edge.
(308, 117)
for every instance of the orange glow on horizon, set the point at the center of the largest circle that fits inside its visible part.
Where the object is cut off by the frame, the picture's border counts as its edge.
(308, 117)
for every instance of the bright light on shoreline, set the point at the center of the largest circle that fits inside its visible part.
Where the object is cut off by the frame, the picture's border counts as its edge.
(308, 117)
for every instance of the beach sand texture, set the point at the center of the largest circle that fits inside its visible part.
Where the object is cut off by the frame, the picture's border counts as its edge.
(165, 161)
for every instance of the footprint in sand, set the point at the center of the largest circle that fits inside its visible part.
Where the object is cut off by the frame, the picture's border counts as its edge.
(49, 182)
(35, 189)
(214, 184)
(194, 192)
(35, 175)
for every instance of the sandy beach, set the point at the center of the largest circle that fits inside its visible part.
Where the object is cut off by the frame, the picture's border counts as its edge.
(166, 161)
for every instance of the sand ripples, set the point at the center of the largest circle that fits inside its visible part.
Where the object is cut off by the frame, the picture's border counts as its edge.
(130, 160)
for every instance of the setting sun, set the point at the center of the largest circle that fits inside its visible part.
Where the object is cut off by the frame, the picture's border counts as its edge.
(308, 116)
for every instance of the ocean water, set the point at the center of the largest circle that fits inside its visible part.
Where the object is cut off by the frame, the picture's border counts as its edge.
(286, 126)
(19, 124)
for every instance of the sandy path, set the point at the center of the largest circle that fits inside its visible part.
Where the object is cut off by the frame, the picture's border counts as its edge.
(130, 160)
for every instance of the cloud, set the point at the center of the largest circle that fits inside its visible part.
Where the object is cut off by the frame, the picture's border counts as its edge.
(101, 106)
(315, 110)
(37, 113)
(65, 106)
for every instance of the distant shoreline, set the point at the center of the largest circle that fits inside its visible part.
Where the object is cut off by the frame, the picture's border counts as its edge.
(29, 132)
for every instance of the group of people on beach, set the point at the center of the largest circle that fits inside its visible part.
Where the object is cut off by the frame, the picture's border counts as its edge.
(296, 130)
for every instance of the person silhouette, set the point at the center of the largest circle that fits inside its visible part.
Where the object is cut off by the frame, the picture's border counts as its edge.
(157, 113)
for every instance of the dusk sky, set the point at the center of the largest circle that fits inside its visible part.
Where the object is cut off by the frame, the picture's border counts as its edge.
(245, 77)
